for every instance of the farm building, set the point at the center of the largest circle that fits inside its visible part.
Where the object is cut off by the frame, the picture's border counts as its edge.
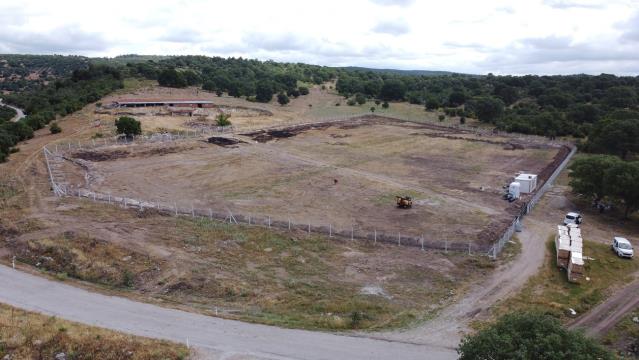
(192, 103)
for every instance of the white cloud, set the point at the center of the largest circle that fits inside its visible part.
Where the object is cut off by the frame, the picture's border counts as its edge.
(499, 36)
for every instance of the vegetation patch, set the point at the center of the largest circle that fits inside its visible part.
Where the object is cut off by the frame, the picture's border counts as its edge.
(550, 292)
(26, 335)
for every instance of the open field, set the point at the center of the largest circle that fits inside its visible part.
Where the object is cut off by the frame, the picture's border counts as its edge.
(26, 335)
(344, 176)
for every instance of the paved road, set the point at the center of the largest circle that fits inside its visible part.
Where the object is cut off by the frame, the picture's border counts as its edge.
(605, 316)
(220, 336)
(19, 115)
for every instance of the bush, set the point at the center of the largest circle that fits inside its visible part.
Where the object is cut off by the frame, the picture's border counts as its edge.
(377, 102)
(360, 98)
(282, 99)
(54, 128)
(462, 120)
(128, 126)
(223, 119)
(385, 105)
(338, 104)
(441, 117)
(529, 336)
(304, 90)
(372, 109)
(351, 102)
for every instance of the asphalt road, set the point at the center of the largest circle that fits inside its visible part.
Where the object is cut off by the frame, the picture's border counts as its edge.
(225, 337)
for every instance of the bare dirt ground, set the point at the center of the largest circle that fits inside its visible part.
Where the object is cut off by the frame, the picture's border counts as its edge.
(290, 175)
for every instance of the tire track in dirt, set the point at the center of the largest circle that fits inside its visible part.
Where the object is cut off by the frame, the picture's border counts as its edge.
(605, 316)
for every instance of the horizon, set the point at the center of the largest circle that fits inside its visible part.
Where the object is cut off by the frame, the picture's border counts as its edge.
(541, 37)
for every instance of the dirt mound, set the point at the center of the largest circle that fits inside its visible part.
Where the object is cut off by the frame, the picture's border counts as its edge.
(224, 141)
(100, 155)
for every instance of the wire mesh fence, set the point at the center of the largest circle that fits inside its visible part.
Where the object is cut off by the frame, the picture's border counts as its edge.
(55, 156)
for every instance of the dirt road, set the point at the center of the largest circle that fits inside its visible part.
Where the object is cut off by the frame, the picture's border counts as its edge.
(448, 328)
(224, 338)
(19, 112)
(607, 314)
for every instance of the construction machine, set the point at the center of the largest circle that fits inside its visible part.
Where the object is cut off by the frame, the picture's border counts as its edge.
(404, 202)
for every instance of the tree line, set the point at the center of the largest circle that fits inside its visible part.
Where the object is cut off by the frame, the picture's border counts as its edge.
(59, 98)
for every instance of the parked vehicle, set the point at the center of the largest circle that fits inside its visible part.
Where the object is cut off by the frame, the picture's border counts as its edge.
(573, 218)
(622, 247)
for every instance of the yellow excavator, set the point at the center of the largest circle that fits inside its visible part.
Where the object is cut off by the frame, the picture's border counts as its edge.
(404, 202)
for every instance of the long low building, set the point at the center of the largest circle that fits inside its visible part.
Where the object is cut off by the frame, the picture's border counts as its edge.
(194, 103)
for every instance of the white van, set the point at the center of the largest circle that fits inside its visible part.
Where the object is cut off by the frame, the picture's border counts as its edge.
(622, 247)
(573, 218)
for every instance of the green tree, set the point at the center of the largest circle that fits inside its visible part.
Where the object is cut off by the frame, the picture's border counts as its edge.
(282, 99)
(54, 128)
(615, 136)
(587, 175)
(128, 126)
(360, 98)
(432, 103)
(385, 105)
(264, 91)
(393, 89)
(621, 182)
(621, 97)
(456, 98)
(303, 90)
(530, 336)
(171, 78)
(372, 109)
(487, 108)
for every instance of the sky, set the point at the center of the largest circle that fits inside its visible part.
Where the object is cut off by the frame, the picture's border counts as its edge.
(502, 37)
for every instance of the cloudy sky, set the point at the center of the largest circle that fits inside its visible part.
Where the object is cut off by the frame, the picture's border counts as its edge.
(502, 37)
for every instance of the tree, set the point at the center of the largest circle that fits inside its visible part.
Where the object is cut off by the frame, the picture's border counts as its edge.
(530, 336)
(441, 117)
(621, 182)
(615, 136)
(587, 174)
(171, 78)
(282, 99)
(385, 105)
(54, 128)
(393, 89)
(360, 99)
(303, 90)
(432, 103)
(128, 126)
(223, 119)
(487, 108)
(621, 97)
(372, 109)
(264, 91)
(456, 98)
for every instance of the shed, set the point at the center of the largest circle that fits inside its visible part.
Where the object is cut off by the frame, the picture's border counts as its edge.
(527, 182)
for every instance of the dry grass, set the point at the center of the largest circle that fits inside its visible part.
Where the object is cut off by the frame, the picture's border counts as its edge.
(624, 337)
(26, 335)
(254, 274)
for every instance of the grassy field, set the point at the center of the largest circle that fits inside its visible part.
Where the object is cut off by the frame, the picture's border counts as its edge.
(550, 292)
(26, 335)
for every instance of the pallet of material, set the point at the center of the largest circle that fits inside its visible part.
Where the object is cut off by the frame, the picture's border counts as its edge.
(562, 245)
(575, 267)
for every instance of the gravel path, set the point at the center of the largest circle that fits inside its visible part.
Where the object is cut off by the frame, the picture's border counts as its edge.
(19, 115)
(212, 336)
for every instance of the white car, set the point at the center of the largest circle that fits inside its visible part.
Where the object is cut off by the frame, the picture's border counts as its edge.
(573, 218)
(622, 247)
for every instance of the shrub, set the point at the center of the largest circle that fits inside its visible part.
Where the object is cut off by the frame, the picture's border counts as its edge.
(282, 99)
(223, 119)
(54, 128)
(351, 102)
(441, 117)
(372, 109)
(360, 98)
(338, 104)
(128, 126)
(385, 105)
(462, 120)
(377, 102)
(303, 90)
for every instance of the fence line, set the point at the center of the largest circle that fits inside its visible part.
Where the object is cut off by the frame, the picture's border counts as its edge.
(60, 189)
(499, 244)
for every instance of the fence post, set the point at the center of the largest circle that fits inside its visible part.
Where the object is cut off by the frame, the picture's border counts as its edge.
(352, 232)
(445, 246)
(469, 248)
(249, 219)
(269, 222)
(375, 237)
(192, 211)
(176, 209)
(330, 230)
(399, 239)
(109, 198)
(289, 224)
(422, 240)
(211, 215)
(309, 228)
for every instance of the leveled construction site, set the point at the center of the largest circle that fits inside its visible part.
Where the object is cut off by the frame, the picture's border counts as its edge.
(339, 177)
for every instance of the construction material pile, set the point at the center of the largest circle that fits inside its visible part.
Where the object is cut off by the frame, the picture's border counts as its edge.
(569, 245)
